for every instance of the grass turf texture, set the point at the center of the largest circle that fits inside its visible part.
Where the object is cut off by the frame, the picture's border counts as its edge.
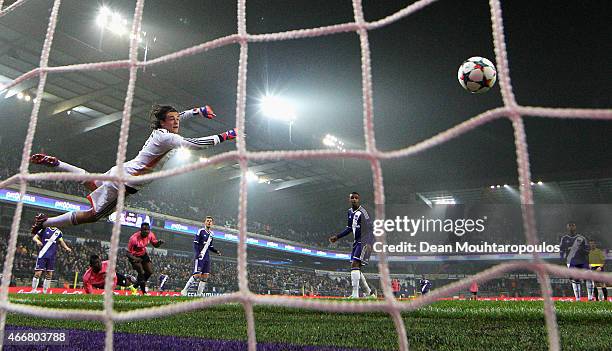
(447, 325)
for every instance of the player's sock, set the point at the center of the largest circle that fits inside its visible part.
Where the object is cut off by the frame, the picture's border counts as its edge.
(46, 284)
(201, 287)
(34, 283)
(67, 167)
(364, 282)
(589, 286)
(189, 282)
(355, 276)
(576, 287)
(64, 220)
(604, 291)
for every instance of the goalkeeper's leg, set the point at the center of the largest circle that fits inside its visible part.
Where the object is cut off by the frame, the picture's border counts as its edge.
(52, 161)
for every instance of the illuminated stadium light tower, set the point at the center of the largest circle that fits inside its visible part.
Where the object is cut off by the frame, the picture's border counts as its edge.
(279, 108)
(252, 177)
(114, 22)
(333, 142)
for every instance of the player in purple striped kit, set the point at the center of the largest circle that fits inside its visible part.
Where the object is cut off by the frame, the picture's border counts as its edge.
(574, 250)
(47, 240)
(202, 245)
(360, 225)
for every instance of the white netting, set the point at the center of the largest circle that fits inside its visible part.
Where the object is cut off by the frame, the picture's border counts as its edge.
(510, 110)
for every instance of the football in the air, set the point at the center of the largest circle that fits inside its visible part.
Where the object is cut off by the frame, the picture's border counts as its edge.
(477, 75)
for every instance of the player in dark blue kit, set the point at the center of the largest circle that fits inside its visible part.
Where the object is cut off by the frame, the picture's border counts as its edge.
(360, 225)
(202, 245)
(163, 279)
(46, 239)
(425, 286)
(574, 248)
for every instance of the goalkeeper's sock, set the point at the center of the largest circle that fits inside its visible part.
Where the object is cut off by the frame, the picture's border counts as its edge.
(364, 282)
(34, 283)
(67, 167)
(61, 221)
(355, 275)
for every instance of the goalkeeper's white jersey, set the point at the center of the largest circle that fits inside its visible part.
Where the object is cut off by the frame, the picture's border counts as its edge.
(153, 154)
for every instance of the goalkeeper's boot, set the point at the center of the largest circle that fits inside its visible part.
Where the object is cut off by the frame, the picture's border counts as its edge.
(38, 223)
(45, 160)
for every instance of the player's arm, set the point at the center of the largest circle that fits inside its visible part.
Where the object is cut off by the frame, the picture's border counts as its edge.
(212, 249)
(197, 249)
(129, 255)
(36, 239)
(88, 288)
(132, 257)
(344, 233)
(177, 141)
(204, 111)
(154, 241)
(562, 248)
(87, 282)
(585, 246)
(64, 246)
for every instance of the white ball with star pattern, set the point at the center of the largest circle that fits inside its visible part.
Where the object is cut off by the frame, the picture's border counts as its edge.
(477, 75)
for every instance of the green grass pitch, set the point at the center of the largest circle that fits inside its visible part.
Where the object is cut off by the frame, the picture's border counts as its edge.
(446, 325)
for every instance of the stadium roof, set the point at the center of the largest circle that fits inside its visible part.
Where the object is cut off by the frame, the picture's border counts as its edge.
(416, 95)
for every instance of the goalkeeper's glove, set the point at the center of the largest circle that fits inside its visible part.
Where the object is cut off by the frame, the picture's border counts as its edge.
(229, 135)
(205, 111)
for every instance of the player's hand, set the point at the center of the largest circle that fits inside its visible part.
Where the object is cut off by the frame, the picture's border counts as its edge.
(229, 135)
(218, 253)
(207, 112)
(39, 244)
(333, 239)
(68, 249)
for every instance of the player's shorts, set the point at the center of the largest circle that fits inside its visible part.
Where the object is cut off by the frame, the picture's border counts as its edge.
(145, 259)
(361, 253)
(104, 199)
(45, 264)
(579, 265)
(124, 280)
(201, 266)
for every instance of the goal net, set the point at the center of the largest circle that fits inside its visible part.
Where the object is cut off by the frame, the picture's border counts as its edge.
(510, 110)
